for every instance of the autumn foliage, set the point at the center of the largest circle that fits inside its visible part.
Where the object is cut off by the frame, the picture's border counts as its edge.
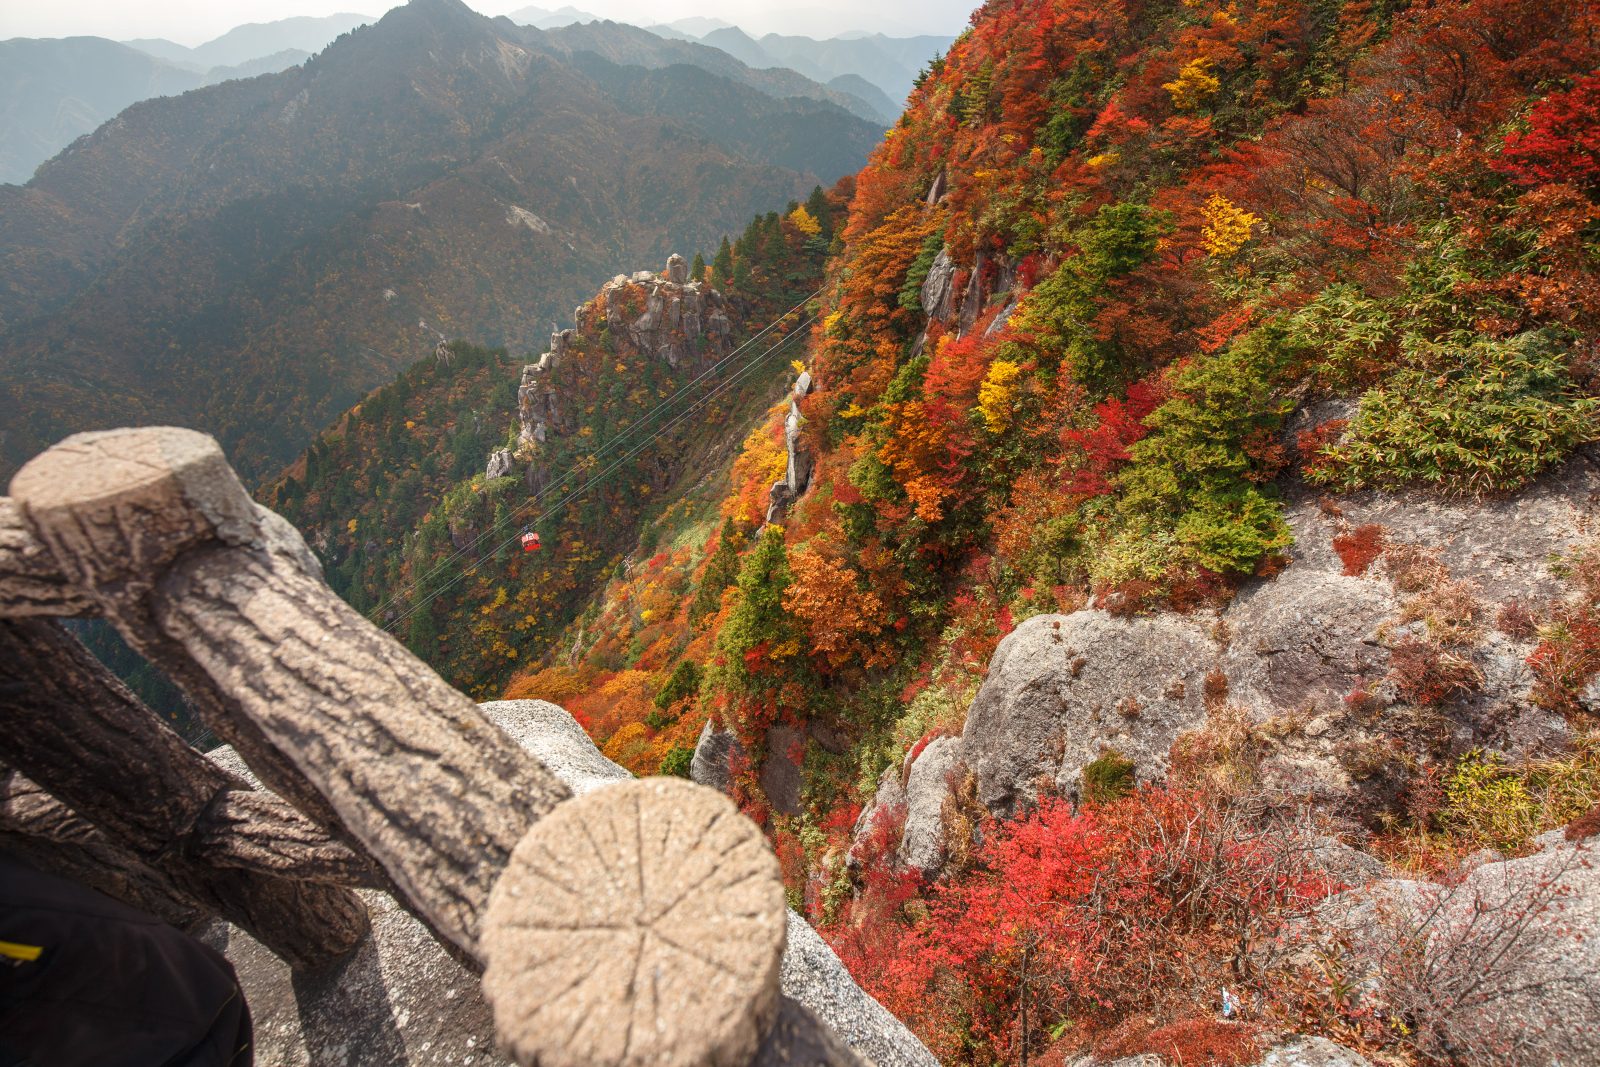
(1144, 906)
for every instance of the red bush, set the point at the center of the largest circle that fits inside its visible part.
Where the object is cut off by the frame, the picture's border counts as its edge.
(1426, 674)
(1194, 1042)
(1562, 143)
(1359, 547)
(1566, 661)
(1134, 905)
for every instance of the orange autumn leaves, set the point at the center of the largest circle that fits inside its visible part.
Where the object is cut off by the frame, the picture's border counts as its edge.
(840, 617)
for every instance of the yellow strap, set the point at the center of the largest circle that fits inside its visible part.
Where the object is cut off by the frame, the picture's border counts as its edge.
(26, 953)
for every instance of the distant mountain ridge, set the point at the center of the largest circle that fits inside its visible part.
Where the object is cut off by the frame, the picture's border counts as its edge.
(889, 63)
(252, 41)
(632, 46)
(53, 91)
(251, 257)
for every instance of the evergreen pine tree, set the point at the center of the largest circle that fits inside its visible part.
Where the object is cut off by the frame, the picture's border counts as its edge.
(817, 205)
(721, 570)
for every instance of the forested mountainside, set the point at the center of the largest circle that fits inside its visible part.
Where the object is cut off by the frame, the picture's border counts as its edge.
(416, 498)
(1194, 439)
(54, 90)
(253, 257)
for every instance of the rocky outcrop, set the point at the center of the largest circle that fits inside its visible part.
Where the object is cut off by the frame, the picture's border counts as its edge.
(1064, 689)
(1296, 1051)
(714, 755)
(929, 784)
(1307, 638)
(815, 977)
(798, 463)
(1310, 1052)
(1507, 961)
(665, 316)
(1310, 649)
(938, 288)
(401, 1001)
(500, 464)
(780, 776)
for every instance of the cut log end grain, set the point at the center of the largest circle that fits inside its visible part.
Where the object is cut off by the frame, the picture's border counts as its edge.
(639, 924)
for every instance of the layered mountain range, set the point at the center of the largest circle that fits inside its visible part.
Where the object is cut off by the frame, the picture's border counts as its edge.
(252, 257)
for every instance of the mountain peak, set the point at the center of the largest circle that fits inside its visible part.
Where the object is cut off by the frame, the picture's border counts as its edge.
(437, 13)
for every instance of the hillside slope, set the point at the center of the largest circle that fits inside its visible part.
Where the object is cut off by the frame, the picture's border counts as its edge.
(415, 499)
(253, 257)
(1201, 402)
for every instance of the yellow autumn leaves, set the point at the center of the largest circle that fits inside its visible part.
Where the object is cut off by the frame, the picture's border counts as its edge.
(995, 393)
(1227, 227)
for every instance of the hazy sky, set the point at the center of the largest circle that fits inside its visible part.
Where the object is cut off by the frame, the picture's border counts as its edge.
(192, 22)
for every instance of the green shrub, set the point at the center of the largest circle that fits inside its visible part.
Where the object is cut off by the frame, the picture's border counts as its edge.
(1490, 804)
(1192, 496)
(1486, 416)
(1061, 311)
(911, 291)
(1107, 778)
(1346, 330)
(683, 682)
(676, 762)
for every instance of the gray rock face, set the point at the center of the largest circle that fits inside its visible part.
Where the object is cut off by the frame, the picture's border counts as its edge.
(1311, 1052)
(1062, 688)
(938, 289)
(1503, 544)
(549, 732)
(1294, 1052)
(798, 463)
(713, 755)
(928, 783)
(401, 1001)
(1306, 638)
(781, 779)
(779, 497)
(1348, 865)
(888, 809)
(499, 465)
(1513, 954)
(682, 321)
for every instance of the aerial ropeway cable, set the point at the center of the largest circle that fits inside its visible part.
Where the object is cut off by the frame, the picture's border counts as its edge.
(744, 371)
(615, 442)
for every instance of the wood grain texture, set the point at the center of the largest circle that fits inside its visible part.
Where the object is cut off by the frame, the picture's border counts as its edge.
(40, 830)
(30, 582)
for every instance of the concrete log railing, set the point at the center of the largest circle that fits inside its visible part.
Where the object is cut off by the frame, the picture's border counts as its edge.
(641, 923)
(249, 857)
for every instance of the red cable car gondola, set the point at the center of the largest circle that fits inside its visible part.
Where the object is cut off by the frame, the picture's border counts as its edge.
(530, 541)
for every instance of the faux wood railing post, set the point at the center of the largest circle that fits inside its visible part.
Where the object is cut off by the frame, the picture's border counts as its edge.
(643, 924)
(329, 711)
(31, 583)
(249, 857)
(40, 830)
